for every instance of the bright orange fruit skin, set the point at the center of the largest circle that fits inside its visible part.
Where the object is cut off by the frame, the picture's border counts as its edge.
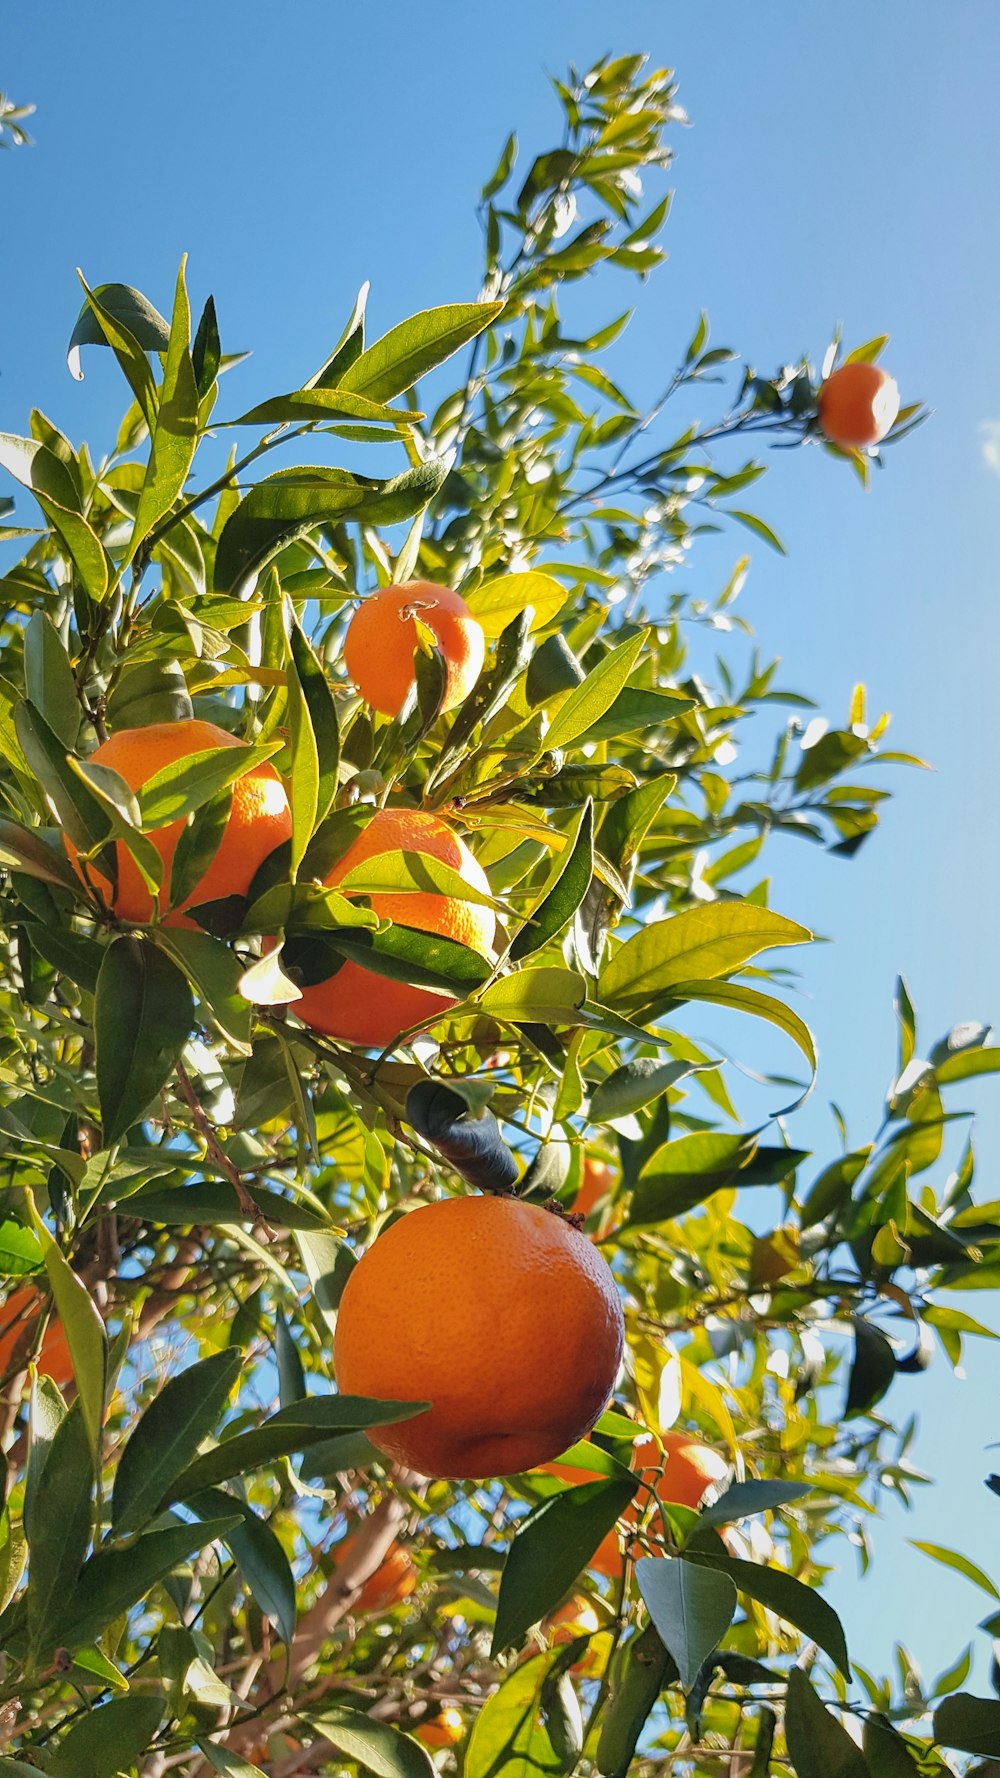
(361, 1007)
(444, 1730)
(382, 636)
(259, 819)
(857, 406)
(598, 1178)
(17, 1318)
(576, 1617)
(498, 1313)
(394, 1579)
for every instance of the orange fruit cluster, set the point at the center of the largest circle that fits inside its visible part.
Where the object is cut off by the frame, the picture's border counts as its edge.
(501, 1315)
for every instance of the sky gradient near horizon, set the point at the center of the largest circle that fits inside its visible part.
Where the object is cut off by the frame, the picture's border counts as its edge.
(829, 174)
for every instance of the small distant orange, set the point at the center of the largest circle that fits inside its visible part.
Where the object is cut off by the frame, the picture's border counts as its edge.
(259, 819)
(857, 405)
(501, 1315)
(598, 1177)
(394, 1579)
(382, 637)
(576, 1617)
(443, 1730)
(362, 1007)
(17, 1324)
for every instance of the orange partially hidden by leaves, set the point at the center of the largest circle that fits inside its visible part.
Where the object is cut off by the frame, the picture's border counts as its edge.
(597, 1180)
(17, 1327)
(394, 1579)
(259, 818)
(857, 405)
(354, 1003)
(382, 637)
(501, 1315)
(443, 1730)
(576, 1617)
(685, 1472)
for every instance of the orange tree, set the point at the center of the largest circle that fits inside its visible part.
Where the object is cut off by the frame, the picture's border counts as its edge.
(194, 1158)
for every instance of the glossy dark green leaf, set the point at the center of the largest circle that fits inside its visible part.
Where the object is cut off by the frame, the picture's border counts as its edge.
(71, 953)
(818, 1745)
(885, 1751)
(131, 309)
(206, 353)
(322, 711)
(148, 692)
(48, 679)
(635, 1084)
(399, 952)
(260, 1558)
(329, 1263)
(107, 1740)
(414, 347)
(563, 892)
(82, 816)
(377, 1747)
(743, 1499)
(645, 1669)
(59, 1531)
(788, 1598)
(214, 972)
(471, 1142)
(685, 1172)
(142, 1018)
(113, 1580)
(291, 1377)
(292, 502)
(971, 1724)
(23, 849)
(291, 1429)
(872, 1370)
(168, 1434)
(550, 1549)
(635, 710)
(692, 1608)
(215, 1202)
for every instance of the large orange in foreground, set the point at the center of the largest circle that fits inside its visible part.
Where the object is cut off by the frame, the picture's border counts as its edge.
(382, 636)
(857, 405)
(501, 1315)
(259, 818)
(17, 1327)
(359, 1006)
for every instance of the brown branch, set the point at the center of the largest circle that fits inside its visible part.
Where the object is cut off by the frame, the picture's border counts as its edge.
(216, 1154)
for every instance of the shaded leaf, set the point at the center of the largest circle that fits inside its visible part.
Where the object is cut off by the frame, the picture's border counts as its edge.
(143, 1016)
(550, 1548)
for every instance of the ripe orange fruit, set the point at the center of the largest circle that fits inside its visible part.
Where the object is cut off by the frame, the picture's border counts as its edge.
(354, 1003)
(17, 1325)
(501, 1315)
(443, 1730)
(258, 821)
(382, 636)
(394, 1579)
(576, 1617)
(598, 1179)
(857, 405)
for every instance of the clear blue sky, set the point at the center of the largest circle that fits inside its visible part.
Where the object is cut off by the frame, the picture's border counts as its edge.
(840, 166)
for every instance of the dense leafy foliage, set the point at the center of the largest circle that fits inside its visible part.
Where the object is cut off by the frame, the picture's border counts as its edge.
(189, 1171)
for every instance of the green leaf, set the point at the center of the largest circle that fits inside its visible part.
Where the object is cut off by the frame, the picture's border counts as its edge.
(183, 785)
(757, 525)
(539, 996)
(74, 956)
(550, 1549)
(291, 1376)
(685, 1172)
(328, 1263)
(588, 703)
(287, 505)
(377, 1746)
(563, 892)
(695, 945)
(23, 849)
(511, 1735)
(872, 1370)
(50, 481)
(322, 711)
(635, 709)
(496, 603)
(143, 1015)
(322, 404)
(966, 1064)
(291, 1429)
(415, 347)
(260, 1558)
(971, 1724)
(48, 679)
(128, 307)
(788, 1598)
(635, 1084)
(59, 1532)
(818, 1745)
(83, 817)
(951, 1559)
(214, 972)
(168, 1434)
(175, 433)
(231, 1765)
(304, 775)
(107, 1740)
(20, 1252)
(82, 1325)
(148, 692)
(646, 1669)
(215, 1202)
(112, 1581)
(760, 1006)
(692, 1609)
(885, 1751)
(903, 1007)
(745, 1498)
